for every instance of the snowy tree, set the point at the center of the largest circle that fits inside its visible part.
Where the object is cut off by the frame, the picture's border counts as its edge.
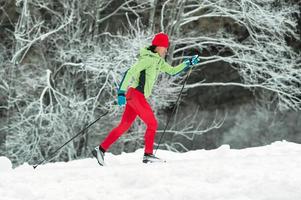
(68, 57)
(261, 55)
(65, 71)
(250, 36)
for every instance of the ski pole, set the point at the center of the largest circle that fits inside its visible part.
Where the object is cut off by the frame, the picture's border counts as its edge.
(166, 125)
(80, 132)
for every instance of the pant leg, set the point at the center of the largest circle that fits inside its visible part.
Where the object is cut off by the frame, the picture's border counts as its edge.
(144, 111)
(128, 118)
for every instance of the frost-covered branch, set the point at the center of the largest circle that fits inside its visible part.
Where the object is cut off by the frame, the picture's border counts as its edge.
(251, 33)
(65, 69)
(67, 59)
(186, 127)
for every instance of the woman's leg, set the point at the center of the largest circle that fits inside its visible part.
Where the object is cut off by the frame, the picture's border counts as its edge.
(128, 117)
(144, 111)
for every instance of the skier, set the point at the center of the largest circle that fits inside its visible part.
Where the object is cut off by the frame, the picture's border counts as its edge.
(144, 74)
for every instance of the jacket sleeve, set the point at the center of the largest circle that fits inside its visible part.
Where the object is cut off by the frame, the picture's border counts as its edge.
(139, 66)
(165, 67)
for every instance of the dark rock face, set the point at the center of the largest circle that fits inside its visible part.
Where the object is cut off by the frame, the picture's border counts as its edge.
(8, 13)
(212, 96)
(248, 122)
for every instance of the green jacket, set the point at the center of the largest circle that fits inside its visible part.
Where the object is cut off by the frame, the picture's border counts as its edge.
(145, 71)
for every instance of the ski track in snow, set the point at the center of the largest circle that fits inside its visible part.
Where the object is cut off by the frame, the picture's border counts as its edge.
(271, 172)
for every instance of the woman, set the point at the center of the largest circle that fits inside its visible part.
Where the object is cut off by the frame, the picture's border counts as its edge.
(144, 74)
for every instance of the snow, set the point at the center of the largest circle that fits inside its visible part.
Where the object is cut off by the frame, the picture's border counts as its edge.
(271, 172)
(5, 164)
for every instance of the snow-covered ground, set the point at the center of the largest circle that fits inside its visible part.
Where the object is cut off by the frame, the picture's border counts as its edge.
(272, 172)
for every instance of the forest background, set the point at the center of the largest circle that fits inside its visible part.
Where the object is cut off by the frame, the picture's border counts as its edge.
(61, 62)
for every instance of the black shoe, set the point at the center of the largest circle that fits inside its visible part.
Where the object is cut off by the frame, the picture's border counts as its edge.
(99, 155)
(150, 158)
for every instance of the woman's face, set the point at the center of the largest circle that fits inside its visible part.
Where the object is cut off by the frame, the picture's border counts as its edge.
(161, 51)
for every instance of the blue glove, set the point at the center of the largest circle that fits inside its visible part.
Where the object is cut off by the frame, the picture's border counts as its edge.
(195, 59)
(121, 98)
(192, 61)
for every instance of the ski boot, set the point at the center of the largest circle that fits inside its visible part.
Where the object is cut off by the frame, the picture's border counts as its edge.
(99, 155)
(151, 158)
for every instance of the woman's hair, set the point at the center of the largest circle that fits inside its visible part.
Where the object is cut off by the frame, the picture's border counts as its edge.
(152, 48)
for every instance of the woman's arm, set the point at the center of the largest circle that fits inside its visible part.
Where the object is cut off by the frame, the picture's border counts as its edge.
(165, 67)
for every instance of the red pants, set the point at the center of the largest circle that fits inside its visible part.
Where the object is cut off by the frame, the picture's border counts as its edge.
(136, 105)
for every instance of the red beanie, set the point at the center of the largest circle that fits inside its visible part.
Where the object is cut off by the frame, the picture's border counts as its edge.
(161, 40)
